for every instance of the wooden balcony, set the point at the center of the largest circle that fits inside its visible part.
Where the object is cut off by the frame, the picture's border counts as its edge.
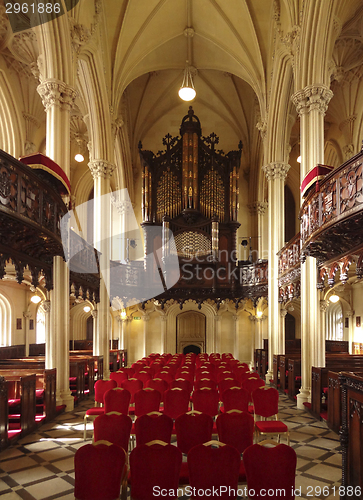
(289, 270)
(30, 213)
(332, 217)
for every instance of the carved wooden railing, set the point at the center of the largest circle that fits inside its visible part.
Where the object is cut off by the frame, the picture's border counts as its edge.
(331, 219)
(30, 213)
(289, 270)
(253, 279)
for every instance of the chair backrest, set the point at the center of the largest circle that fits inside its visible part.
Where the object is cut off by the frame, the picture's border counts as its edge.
(206, 401)
(176, 402)
(132, 385)
(99, 470)
(214, 467)
(146, 400)
(192, 429)
(153, 426)
(182, 384)
(204, 382)
(168, 376)
(271, 469)
(143, 375)
(101, 386)
(266, 402)
(252, 384)
(225, 384)
(236, 429)
(117, 399)
(159, 385)
(154, 466)
(119, 377)
(113, 427)
(235, 398)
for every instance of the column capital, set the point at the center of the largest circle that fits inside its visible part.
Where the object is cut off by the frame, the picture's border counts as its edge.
(312, 97)
(252, 318)
(94, 314)
(101, 168)
(56, 93)
(324, 305)
(146, 317)
(217, 318)
(350, 314)
(27, 314)
(163, 319)
(283, 312)
(276, 170)
(258, 207)
(46, 306)
(123, 207)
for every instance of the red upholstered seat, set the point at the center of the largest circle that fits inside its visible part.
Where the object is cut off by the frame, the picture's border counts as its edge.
(113, 427)
(271, 426)
(266, 402)
(146, 401)
(99, 470)
(235, 399)
(101, 386)
(270, 469)
(176, 402)
(159, 385)
(193, 428)
(132, 385)
(206, 401)
(214, 467)
(117, 399)
(155, 465)
(155, 426)
(119, 376)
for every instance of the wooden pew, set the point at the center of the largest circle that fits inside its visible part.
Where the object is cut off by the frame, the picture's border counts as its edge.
(284, 367)
(3, 413)
(294, 377)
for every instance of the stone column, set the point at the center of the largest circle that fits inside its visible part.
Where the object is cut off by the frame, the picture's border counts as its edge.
(257, 211)
(94, 314)
(124, 210)
(58, 98)
(283, 313)
(163, 320)
(145, 319)
(259, 337)
(350, 315)
(311, 104)
(276, 175)
(101, 171)
(236, 337)
(253, 320)
(323, 306)
(27, 315)
(218, 325)
(49, 349)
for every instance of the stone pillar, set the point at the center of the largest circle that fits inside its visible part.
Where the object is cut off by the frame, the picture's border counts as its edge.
(276, 175)
(311, 104)
(283, 313)
(58, 98)
(236, 337)
(218, 325)
(350, 315)
(163, 320)
(27, 315)
(101, 171)
(49, 350)
(122, 224)
(145, 319)
(259, 334)
(257, 211)
(253, 320)
(323, 306)
(94, 314)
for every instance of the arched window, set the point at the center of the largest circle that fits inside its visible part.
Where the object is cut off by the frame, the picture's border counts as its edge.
(334, 322)
(40, 328)
(5, 321)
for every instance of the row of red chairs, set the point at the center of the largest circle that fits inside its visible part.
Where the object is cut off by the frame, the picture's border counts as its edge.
(101, 470)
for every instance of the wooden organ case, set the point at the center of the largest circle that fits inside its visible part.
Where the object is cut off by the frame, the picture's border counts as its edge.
(192, 189)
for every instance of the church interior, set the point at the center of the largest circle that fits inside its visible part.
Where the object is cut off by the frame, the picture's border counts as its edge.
(136, 220)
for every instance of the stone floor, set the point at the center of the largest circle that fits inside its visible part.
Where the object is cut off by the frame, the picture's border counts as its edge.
(40, 466)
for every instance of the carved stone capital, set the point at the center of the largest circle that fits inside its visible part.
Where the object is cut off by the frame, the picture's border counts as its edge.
(101, 168)
(56, 93)
(27, 314)
(276, 170)
(46, 306)
(283, 312)
(350, 314)
(94, 314)
(123, 207)
(258, 207)
(253, 319)
(324, 305)
(163, 319)
(145, 317)
(217, 318)
(312, 97)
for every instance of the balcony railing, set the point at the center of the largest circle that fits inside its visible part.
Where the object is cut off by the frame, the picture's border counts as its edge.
(331, 219)
(289, 270)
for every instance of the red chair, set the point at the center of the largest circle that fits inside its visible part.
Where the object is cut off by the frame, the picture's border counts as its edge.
(167, 376)
(113, 427)
(271, 469)
(118, 400)
(191, 429)
(151, 427)
(223, 374)
(236, 429)
(205, 383)
(214, 468)
(266, 406)
(225, 384)
(251, 384)
(176, 402)
(156, 465)
(119, 377)
(99, 471)
(206, 401)
(101, 386)
(235, 398)
(159, 385)
(182, 384)
(143, 375)
(146, 401)
(132, 385)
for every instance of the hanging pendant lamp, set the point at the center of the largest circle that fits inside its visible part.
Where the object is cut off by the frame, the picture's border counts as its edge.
(187, 91)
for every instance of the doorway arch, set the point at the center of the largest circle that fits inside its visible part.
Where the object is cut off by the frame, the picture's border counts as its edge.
(190, 328)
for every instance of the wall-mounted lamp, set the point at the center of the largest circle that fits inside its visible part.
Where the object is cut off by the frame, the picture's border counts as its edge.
(123, 314)
(35, 299)
(299, 159)
(259, 314)
(334, 298)
(86, 309)
(78, 157)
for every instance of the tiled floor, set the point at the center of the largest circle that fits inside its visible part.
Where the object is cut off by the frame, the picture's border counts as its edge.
(40, 466)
